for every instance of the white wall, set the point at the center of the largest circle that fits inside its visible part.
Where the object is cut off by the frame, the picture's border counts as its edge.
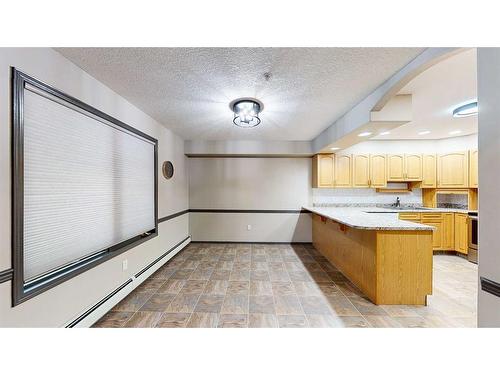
(250, 184)
(489, 180)
(67, 300)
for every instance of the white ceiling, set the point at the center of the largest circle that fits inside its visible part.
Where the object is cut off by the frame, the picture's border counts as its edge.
(435, 93)
(189, 89)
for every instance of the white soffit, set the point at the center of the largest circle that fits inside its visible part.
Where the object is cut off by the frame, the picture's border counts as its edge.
(435, 93)
(189, 89)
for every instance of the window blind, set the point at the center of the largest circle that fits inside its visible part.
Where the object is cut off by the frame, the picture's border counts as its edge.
(88, 184)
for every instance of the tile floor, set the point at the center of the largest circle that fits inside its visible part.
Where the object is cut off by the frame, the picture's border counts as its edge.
(256, 285)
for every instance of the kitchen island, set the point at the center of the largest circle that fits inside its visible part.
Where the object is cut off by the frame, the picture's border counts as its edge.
(389, 259)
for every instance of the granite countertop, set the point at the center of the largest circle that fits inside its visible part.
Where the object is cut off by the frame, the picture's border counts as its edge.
(361, 218)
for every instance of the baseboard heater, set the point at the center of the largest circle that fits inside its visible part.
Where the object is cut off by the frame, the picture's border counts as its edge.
(490, 286)
(89, 311)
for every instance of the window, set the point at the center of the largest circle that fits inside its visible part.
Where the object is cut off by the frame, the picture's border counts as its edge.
(85, 187)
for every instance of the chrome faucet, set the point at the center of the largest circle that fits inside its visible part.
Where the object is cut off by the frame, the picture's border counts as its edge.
(398, 202)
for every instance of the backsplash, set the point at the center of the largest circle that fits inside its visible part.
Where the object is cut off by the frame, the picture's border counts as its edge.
(363, 197)
(452, 201)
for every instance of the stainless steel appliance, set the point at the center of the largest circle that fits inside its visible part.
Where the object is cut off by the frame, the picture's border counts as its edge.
(473, 246)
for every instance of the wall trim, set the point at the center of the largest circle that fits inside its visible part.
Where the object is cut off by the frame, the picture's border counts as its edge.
(130, 285)
(169, 217)
(490, 286)
(238, 211)
(6, 275)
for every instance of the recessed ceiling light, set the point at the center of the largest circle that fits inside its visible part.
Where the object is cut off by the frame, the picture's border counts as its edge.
(455, 132)
(465, 110)
(424, 132)
(364, 134)
(335, 148)
(385, 133)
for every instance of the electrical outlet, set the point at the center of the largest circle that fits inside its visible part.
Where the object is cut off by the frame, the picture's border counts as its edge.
(249, 227)
(124, 264)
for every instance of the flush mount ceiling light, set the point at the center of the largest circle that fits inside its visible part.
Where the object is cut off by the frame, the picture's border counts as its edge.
(246, 112)
(334, 148)
(364, 134)
(385, 133)
(424, 132)
(465, 110)
(455, 132)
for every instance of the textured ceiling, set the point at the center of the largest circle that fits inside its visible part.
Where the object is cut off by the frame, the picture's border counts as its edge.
(435, 93)
(189, 89)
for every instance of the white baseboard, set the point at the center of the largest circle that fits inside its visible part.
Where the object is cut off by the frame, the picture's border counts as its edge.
(92, 314)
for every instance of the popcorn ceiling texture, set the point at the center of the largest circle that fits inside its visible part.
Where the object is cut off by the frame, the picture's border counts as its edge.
(188, 90)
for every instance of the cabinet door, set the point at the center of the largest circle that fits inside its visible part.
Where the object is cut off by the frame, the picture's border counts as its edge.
(361, 170)
(448, 231)
(461, 233)
(437, 234)
(429, 171)
(323, 170)
(473, 167)
(378, 171)
(395, 167)
(453, 170)
(413, 167)
(343, 170)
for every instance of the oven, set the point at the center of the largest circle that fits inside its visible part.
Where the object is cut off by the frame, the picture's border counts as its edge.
(473, 246)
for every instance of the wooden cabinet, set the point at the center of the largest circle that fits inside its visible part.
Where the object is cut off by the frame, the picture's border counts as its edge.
(407, 167)
(395, 167)
(413, 167)
(410, 216)
(323, 171)
(452, 170)
(473, 169)
(343, 171)
(378, 171)
(461, 233)
(361, 171)
(448, 231)
(429, 172)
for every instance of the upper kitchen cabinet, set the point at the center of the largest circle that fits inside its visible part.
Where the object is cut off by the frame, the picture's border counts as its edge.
(343, 171)
(323, 171)
(378, 171)
(413, 167)
(452, 170)
(395, 167)
(473, 169)
(361, 171)
(406, 167)
(429, 163)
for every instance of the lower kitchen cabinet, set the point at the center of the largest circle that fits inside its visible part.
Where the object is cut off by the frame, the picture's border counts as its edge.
(449, 234)
(461, 233)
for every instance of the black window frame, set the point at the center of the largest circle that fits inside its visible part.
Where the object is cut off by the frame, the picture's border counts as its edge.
(22, 291)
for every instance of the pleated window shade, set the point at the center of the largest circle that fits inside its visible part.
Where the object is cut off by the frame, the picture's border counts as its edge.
(88, 185)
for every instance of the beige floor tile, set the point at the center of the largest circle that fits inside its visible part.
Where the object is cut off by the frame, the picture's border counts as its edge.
(261, 288)
(261, 275)
(262, 304)
(351, 322)
(233, 321)
(262, 321)
(341, 306)
(113, 319)
(238, 287)
(209, 303)
(378, 321)
(366, 307)
(218, 287)
(315, 305)
(203, 320)
(235, 304)
(150, 285)
(292, 321)
(307, 288)
(193, 287)
(283, 288)
(240, 275)
(132, 302)
(171, 286)
(158, 302)
(288, 305)
(183, 303)
(322, 321)
(220, 274)
(144, 319)
(181, 274)
(173, 320)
